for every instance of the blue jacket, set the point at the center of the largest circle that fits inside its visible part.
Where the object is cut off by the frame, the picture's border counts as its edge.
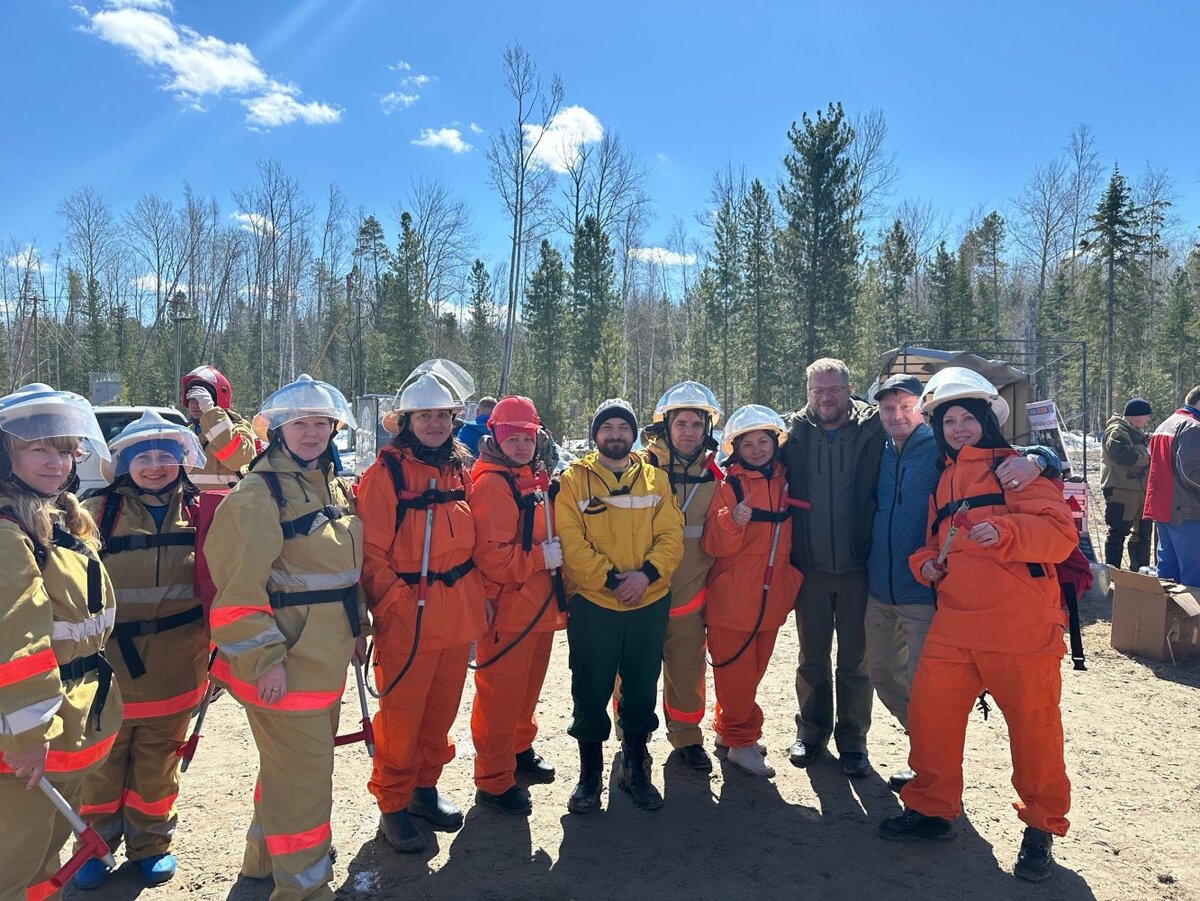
(907, 479)
(472, 431)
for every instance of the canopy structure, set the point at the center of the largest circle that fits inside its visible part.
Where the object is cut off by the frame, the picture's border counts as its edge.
(923, 362)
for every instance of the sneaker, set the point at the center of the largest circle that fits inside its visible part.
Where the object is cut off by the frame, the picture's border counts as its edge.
(93, 874)
(1035, 860)
(900, 778)
(747, 759)
(855, 764)
(801, 753)
(433, 807)
(399, 831)
(722, 749)
(157, 869)
(695, 757)
(912, 826)
(512, 800)
(534, 767)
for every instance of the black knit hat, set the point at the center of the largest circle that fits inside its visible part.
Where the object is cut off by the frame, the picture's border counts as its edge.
(1137, 407)
(616, 408)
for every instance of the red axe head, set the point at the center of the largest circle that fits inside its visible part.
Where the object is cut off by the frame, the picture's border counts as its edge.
(963, 520)
(539, 481)
(797, 503)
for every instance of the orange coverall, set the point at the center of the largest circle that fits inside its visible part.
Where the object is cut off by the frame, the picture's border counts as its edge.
(998, 626)
(506, 692)
(413, 723)
(735, 597)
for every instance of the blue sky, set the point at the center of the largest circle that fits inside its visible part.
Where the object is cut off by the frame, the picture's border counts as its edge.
(135, 96)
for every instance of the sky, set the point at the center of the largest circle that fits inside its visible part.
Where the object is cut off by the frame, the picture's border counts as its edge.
(137, 96)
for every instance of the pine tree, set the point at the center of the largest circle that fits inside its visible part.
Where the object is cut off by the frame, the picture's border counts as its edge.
(481, 329)
(723, 303)
(820, 200)
(543, 315)
(897, 263)
(943, 285)
(989, 270)
(593, 303)
(400, 340)
(762, 334)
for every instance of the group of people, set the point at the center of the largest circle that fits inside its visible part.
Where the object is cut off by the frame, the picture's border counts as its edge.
(911, 529)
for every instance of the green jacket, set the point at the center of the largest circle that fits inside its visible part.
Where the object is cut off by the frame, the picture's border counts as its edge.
(836, 474)
(1124, 464)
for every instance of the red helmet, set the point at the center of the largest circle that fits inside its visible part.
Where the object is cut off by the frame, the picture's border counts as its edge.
(210, 377)
(516, 411)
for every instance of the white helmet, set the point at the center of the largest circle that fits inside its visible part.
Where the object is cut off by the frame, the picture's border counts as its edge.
(752, 418)
(956, 382)
(428, 389)
(155, 432)
(302, 398)
(688, 395)
(36, 412)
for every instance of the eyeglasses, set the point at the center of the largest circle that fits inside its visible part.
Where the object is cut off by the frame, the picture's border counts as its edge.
(829, 392)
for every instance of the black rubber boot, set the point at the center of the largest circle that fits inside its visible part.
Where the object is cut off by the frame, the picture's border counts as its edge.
(431, 806)
(535, 768)
(512, 801)
(399, 831)
(634, 776)
(586, 796)
(912, 826)
(1035, 860)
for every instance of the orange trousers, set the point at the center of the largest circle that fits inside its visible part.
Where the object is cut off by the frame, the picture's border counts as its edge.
(738, 718)
(1027, 689)
(412, 740)
(506, 695)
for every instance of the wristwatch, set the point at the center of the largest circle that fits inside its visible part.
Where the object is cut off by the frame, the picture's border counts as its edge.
(1036, 461)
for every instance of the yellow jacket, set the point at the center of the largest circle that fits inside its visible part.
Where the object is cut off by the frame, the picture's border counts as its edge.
(154, 590)
(255, 570)
(45, 623)
(228, 446)
(694, 487)
(609, 525)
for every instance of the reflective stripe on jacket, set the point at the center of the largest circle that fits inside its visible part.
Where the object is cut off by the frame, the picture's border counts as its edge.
(228, 446)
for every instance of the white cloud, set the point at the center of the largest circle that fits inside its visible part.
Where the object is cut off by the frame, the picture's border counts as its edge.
(394, 100)
(197, 65)
(399, 66)
(475, 129)
(450, 138)
(147, 283)
(255, 223)
(27, 258)
(561, 140)
(662, 256)
(280, 107)
(416, 81)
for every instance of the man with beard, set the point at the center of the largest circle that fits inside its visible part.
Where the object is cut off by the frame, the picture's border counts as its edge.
(622, 539)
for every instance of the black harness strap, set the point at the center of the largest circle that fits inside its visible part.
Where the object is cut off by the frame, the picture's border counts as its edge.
(756, 514)
(979, 500)
(526, 508)
(123, 543)
(347, 597)
(448, 578)
(125, 633)
(113, 503)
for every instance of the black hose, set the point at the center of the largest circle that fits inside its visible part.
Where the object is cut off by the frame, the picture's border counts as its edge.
(762, 612)
(516, 641)
(412, 655)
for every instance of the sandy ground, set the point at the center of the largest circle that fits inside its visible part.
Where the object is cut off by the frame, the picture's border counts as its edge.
(1131, 728)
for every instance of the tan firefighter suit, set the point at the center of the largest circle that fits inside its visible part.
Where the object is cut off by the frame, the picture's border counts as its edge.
(290, 601)
(683, 650)
(159, 653)
(228, 445)
(51, 679)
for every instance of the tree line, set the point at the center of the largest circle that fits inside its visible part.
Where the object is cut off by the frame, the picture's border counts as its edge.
(817, 258)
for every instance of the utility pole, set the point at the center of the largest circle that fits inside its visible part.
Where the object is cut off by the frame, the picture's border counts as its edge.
(179, 317)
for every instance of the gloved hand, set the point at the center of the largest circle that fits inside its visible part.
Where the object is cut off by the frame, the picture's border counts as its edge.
(552, 553)
(202, 398)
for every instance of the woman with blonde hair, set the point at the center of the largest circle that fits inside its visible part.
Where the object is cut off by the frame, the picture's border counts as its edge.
(59, 711)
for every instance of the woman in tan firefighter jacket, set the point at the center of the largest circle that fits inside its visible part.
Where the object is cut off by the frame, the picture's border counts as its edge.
(285, 552)
(226, 438)
(680, 443)
(159, 648)
(59, 711)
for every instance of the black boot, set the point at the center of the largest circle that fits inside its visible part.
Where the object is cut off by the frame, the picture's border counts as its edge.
(634, 776)
(398, 831)
(586, 796)
(534, 767)
(1035, 860)
(428, 804)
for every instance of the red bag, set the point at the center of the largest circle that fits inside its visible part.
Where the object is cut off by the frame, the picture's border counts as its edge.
(206, 589)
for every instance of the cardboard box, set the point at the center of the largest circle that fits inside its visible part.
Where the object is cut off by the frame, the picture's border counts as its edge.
(1156, 619)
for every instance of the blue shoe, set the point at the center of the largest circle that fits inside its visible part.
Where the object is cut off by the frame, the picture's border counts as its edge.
(157, 869)
(92, 875)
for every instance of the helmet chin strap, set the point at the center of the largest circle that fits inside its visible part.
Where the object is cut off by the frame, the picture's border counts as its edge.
(29, 489)
(166, 489)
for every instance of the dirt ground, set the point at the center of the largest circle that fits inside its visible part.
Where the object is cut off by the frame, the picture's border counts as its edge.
(1131, 732)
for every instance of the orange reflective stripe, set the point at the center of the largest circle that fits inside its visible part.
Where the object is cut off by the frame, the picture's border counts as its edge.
(691, 606)
(229, 449)
(161, 808)
(24, 667)
(298, 841)
(69, 761)
(42, 890)
(184, 703)
(681, 716)
(247, 692)
(95, 810)
(223, 616)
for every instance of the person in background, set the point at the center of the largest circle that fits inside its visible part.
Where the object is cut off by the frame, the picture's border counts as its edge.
(472, 431)
(1173, 492)
(1124, 465)
(226, 439)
